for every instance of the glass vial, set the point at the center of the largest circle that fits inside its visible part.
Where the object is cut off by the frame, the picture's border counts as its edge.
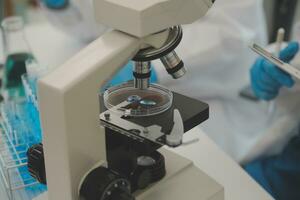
(17, 52)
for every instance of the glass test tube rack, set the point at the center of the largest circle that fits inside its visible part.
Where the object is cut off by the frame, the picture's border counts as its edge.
(20, 129)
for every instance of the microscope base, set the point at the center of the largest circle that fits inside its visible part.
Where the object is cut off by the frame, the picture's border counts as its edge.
(183, 181)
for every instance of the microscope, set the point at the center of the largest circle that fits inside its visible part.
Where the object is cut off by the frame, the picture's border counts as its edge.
(107, 143)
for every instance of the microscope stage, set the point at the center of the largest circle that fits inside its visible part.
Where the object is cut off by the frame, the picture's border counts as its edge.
(156, 127)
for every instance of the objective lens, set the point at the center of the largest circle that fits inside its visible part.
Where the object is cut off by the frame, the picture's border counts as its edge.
(174, 65)
(142, 74)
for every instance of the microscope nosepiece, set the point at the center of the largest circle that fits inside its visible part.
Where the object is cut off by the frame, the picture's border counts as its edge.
(174, 65)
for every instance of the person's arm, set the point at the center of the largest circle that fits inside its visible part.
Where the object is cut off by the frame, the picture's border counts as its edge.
(279, 175)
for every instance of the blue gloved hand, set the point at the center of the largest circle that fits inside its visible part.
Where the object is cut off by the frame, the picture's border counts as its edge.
(56, 4)
(267, 79)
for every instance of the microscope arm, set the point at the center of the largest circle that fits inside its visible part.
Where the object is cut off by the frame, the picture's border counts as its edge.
(69, 109)
(145, 17)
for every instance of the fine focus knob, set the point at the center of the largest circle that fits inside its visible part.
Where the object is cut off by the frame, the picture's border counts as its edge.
(36, 163)
(150, 169)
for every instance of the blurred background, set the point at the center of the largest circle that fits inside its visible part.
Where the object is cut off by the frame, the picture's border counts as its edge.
(280, 13)
(25, 8)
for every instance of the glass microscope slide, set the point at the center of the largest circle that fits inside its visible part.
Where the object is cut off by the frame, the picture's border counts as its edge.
(276, 61)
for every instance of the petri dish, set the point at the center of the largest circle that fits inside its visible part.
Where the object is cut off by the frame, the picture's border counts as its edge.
(127, 100)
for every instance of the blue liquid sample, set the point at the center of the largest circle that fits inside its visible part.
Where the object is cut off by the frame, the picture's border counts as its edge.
(147, 102)
(23, 118)
(14, 68)
(134, 98)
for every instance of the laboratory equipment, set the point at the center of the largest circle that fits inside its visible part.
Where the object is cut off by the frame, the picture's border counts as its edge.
(248, 93)
(56, 4)
(16, 51)
(289, 69)
(279, 41)
(278, 44)
(20, 129)
(18, 132)
(124, 160)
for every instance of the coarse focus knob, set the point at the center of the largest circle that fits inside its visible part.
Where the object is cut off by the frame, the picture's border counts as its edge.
(121, 195)
(36, 163)
(105, 184)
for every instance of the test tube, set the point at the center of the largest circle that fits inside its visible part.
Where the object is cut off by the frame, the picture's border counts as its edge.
(279, 41)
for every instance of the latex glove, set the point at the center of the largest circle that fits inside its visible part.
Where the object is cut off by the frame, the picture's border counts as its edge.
(267, 79)
(125, 74)
(56, 4)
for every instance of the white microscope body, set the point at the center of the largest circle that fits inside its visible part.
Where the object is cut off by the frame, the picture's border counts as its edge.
(74, 142)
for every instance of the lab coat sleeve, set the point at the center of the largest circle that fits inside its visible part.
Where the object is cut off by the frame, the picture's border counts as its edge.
(249, 13)
(280, 175)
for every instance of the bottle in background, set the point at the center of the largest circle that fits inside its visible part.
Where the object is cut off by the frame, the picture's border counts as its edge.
(17, 52)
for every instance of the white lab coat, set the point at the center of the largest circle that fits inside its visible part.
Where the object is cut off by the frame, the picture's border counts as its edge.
(215, 51)
(76, 20)
(218, 60)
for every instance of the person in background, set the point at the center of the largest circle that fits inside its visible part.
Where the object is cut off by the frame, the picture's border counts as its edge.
(279, 174)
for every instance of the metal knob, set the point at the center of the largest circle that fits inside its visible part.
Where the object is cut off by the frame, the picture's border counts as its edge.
(105, 184)
(36, 163)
